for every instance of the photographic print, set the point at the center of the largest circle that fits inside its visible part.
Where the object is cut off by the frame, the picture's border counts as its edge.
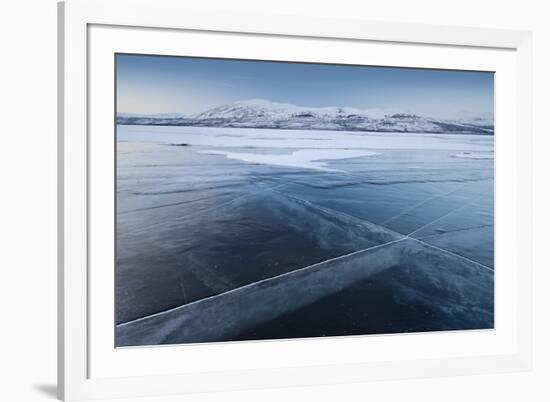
(263, 200)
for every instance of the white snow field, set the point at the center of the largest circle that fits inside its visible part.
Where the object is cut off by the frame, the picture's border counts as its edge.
(298, 233)
(304, 158)
(303, 139)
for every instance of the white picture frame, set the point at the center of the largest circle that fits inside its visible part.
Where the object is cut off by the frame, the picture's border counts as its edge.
(91, 30)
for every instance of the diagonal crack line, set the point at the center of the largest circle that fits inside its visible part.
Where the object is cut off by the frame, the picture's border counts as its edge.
(308, 267)
(454, 231)
(404, 237)
(421, 203)
(343, 214)
(453, 254)
(445, 215)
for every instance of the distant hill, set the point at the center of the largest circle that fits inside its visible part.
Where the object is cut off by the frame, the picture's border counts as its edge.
(259, 113)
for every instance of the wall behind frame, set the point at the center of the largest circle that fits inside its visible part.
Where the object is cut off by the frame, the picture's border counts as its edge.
(28, 204)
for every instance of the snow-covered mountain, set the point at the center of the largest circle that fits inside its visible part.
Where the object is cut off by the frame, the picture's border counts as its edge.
(259, 113)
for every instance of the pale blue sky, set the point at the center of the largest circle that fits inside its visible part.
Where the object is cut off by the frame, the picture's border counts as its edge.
(160, 84)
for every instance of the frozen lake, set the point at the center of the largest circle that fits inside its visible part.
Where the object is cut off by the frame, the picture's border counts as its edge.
(204, 211)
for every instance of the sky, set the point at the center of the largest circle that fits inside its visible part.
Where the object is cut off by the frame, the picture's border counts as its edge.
(167, 84)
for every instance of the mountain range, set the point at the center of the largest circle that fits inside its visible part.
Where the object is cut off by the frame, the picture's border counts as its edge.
(259, 113)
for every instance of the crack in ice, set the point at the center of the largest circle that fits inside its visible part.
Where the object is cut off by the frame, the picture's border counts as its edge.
(421, 203)
(454, 254)
(444, 216)
(249, 285)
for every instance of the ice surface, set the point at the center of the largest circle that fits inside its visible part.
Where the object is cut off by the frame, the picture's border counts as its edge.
(476, 155)
(454, 292)
(220, 212)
